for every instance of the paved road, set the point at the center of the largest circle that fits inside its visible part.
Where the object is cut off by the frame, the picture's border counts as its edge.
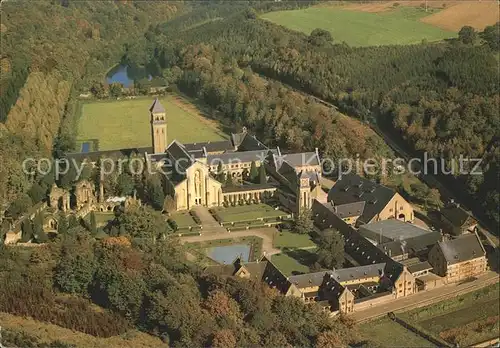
(265, 233)
(210, 225)
(424, 298)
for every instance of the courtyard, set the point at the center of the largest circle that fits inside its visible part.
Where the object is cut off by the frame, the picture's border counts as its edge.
(118, 124)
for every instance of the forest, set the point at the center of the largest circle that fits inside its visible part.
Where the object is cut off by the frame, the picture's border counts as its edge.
(140, 278)
(438, 98)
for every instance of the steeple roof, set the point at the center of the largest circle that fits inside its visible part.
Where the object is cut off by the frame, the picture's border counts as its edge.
(156, 106)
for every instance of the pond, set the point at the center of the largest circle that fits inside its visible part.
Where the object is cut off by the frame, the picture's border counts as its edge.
(227, 254)
(126, 75)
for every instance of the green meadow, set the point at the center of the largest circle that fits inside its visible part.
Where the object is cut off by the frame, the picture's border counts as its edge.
(118, 124)
(397, 26)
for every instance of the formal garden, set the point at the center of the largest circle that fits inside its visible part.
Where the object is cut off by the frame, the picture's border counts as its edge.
(249, 216)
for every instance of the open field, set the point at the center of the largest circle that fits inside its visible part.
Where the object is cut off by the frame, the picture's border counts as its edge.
(400, 25)
(388, 333)
(475, 14)
(466, 319)
(243, 213)
(183, 220)
(287, 239)
(125, 123)
(47, 333)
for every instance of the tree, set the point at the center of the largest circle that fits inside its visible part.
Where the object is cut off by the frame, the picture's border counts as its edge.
(319, 37)
(38, 232)
(229, 180)
(331, 249)
(76, 266)
(72, 221)
(93, 223)
(62, 225)
(125, 184)
(303, 223)
(98, 89)
(262, 175)
(220, 175)
(141, 222)
(115, 89)
(254, 173)
(329, 339)
(224, 339)
(155, 192)
(66, 181)
(467, 35)
(37, 193)
(27, 231)
(19, 206)
(491, 35)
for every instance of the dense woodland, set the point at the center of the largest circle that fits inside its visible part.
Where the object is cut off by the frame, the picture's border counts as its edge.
(51, 52)
(439, 98)
(150, 285)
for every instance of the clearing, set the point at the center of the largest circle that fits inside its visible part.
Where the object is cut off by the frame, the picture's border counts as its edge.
(477, 14)
(399, 25)
(121, 124)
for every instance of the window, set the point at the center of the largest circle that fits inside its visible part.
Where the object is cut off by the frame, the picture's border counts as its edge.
(401, 208)
(400, 291)
(400, 285)
(390, 210)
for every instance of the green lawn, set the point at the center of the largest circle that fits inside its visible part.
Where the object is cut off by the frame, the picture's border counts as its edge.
(183, 220)
(288, 265)
(287, 239)
(103, 218)
(388, 333)
(125, 123)
(248, 213)
(398, 26)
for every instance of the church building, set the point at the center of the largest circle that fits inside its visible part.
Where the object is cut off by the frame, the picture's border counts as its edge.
(192, 177)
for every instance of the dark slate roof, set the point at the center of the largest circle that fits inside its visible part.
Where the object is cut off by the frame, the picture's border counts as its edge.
(456, 215)
(251, 143)
(352, 188)
(392, 230)
(301, 159)
(237, 157)
(415, 265)
(256, 269)
(239, 188)
(210, 146)
(222, 270)
(156, 106)
(358, 247)
(96, 155)
(360, 272)
(330, 288)
(463, 248)
(177, 152)
(274, 278)
(308, 279)
(348, 209)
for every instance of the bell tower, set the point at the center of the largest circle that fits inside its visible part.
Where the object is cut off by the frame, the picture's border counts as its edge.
(158, 126)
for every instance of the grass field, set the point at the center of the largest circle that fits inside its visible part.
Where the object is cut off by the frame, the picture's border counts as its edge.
(247, 213)
(396, 26)
(287, 239)
(183, 220)
(388, 333)
(464, 320)
(125, 123)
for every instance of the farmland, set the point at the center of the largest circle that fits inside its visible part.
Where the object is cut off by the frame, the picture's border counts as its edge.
(125, 123)
(399, 25)
(464, 320)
